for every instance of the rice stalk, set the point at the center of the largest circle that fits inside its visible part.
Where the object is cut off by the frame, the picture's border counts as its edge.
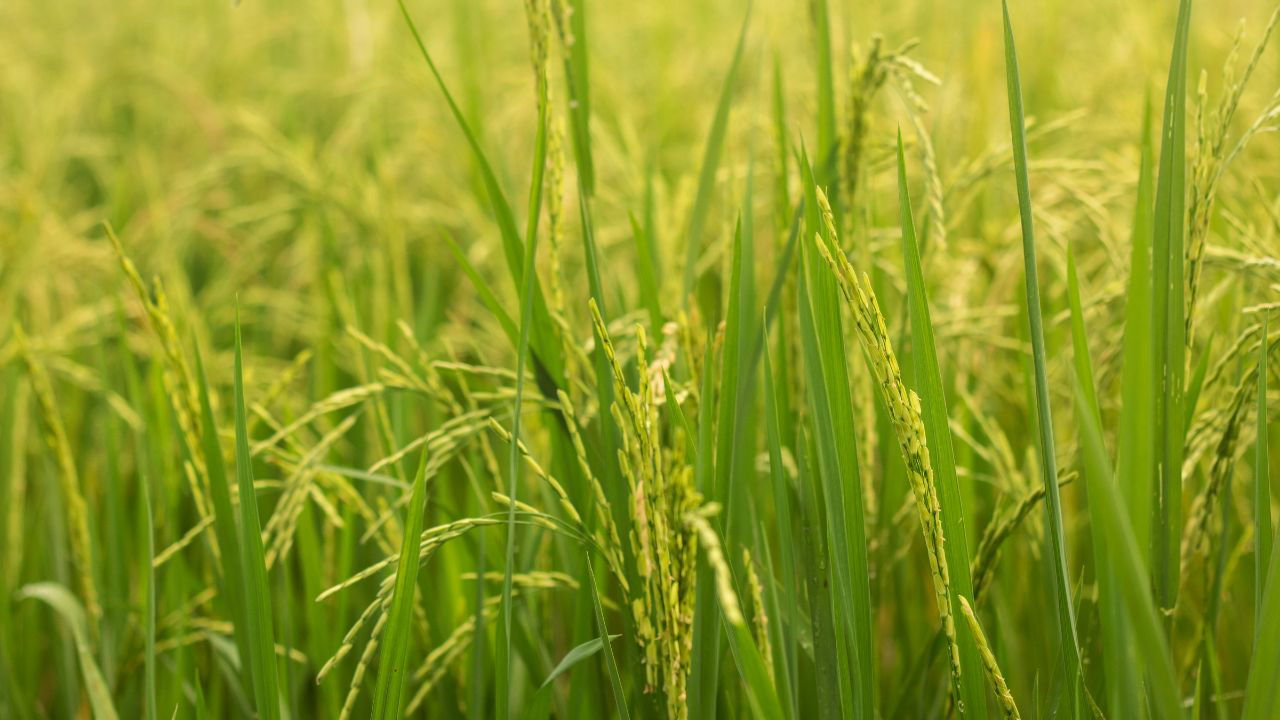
(904, 413)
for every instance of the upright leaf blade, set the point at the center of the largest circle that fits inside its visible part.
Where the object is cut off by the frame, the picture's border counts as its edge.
(388, 696)
(578, 75)
(1107, 508)
(529, 290)
(710, 162)
(611, 665)
(1261, 480)
(761, 696)
(820, 16)
(827, 373)
(933, 406)
(787, 619)
(1119, 663)
(1168, 321)
(549, 360)
(1260, 695)
(735, 423)
(261, 639)
(232, 586)
(1064, 613)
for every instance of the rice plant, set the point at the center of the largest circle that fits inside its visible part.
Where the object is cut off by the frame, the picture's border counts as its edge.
(558, 358)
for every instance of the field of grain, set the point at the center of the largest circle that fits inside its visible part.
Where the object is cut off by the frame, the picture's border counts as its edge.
(772, 359)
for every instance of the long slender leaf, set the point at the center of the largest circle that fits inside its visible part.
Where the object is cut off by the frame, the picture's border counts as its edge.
(762, 698)
(734, 448)
(388, 696)
(1168, 321)
(1119, 663)
(827, 374)
(1143, 616)
(611, 665)
(548, 356)
(1060, 588)
(1135, 438)
(514, 464)
(231, 586)
(933, 406)
(578, 74)
(820, 16)
(786, 608)
(72, 613)
(1262, 692)
(1261, 482)
(149, 604)
(261, 640)
(710, 163)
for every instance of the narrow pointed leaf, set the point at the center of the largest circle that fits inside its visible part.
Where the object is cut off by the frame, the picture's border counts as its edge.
(393, 671)
(72, 613)
(933, 406)
(262, 657)
(1060, 583)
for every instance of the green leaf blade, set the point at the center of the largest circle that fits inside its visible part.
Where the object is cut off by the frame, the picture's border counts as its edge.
(933, 403)
(1168, 321)
(393, 662)
(261, 640)
(1060, 583)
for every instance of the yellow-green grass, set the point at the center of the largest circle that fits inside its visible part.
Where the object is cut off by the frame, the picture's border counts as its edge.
(559, 358)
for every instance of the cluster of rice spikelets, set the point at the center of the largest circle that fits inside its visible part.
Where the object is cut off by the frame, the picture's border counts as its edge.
(999, 530)
(1001, 688)
(869, 73)
(439, 659)
(1213, 156)
(904, 412)
(759, 617)
(77, 510)
(660, 485)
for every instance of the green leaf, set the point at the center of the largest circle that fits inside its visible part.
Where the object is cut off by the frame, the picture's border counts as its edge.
(1196, 384)
(787, 607)
(1135, 435)
(756, 685)
(528, 321)
(933, 406)
(72, 613)
(611, 665)
(261, 640)
(547, 350)
(710, 163)
(487, 296)
(647, 272)
(1119, 663)
(575, 656)
(615, 490)
(827, 374)
(830, 660)
(1263, 687)
(735, 449)
(704, 660)
(393, 671)
(149, 603)
(578, 77)
(231, 586)
(1107, 509)
(1261, 480)
(820, 16)
(1169, 323)
(1060, 586)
